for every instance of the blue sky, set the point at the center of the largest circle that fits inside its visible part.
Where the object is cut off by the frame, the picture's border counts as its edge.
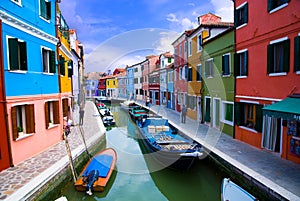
(116, 33)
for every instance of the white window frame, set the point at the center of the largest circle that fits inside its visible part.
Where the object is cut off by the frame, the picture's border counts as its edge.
(223, 113)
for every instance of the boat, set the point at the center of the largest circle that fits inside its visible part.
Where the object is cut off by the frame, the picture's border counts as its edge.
(105, 112)
(138, 113)
(168, 147)
(100, 106)
(97, 172)
(126, 105)
(108, 121)
(232, 192)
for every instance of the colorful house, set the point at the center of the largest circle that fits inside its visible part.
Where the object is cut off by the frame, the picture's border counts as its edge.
(122, 78)
(137, 81)
(154, 83)
(29, 57)
(267, 72)
(165, 59)
(218, 81)
(170, 86)
(210, 25)
(129, 83)
(102, 86)
(112, 86)
(145, 66)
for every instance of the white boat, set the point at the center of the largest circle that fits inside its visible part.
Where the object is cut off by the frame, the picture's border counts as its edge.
(105, 112)
(232, 192)
(127, 104)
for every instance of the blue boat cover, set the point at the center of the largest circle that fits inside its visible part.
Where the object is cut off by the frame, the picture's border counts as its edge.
(102, 163)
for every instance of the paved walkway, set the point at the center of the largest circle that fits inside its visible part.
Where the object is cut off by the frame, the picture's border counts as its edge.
(280, 175)
(21, 181)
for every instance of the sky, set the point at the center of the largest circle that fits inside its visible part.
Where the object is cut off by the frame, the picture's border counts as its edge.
(116, 33)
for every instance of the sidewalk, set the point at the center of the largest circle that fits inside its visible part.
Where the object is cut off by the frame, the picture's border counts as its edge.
(24, 179)
(280, 175)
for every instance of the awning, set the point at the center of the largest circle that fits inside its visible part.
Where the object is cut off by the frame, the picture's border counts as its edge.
(288, 108)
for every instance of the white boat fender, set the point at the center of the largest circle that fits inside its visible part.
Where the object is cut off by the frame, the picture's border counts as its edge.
(193, 154)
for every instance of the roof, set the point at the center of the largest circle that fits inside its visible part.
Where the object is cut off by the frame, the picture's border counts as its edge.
(288, 108)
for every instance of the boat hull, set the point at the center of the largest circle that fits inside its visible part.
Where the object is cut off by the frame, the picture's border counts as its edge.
(101, 182)
(233, 192)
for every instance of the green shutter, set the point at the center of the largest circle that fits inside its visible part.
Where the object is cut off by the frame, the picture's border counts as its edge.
(43, 8)
(23, 56)
(297, 53)
(286, 46)
(52, 62)
(207, 110)
(259, 118)
(238, 113)
(270, 58)
(245, 13)
(13, 54)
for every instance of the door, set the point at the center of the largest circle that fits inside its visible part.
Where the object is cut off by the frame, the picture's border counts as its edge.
(216, 113)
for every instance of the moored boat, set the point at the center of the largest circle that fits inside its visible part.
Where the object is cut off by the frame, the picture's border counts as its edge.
(108, 121)
(105, 112)
(100, 106)
(166, 146)
(233, 192)
(97, 172)
(128, 104)
(138, 113)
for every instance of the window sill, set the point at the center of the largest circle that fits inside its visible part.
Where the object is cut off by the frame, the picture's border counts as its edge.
(225, 75)
(297, 72)
(277, 74)
(18, 71)
(248, 129)
(230, 123)
(52, 125)
(241, 77)
(241, 26)
(23, 136)
(278, 8)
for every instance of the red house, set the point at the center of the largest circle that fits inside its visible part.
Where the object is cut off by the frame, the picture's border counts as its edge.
(267, 74)
(180, 69)
(4, 150)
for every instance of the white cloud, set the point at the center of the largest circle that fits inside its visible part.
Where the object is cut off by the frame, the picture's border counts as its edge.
(224, 9)
(181, 23)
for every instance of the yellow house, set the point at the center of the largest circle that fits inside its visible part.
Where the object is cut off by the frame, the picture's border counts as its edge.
(112, 87)
(194, 76)
(64, 64)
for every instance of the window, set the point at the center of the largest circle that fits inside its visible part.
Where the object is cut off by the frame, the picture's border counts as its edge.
(190, 74)
(70, 69)
(226, 64)
(48, 61)
(185, 47)
(249, 115)
(199, 72)
(180, 73)
(23, 122)
(297, 54)
(169, 60)
(227, 113)
(191, 102)
(180, 50)
(45, 9)
(209, 68)
(199, 38)
(65, 107)
(241, 63)
(241, 15)
(62, 65)
(279, 57)
(51, 113)
(190, 48)
(17, 54)
(170, 76)
(17, 1)
(276, 4)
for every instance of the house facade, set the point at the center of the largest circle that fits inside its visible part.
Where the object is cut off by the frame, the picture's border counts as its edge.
(267, 72)
(170, 86)
(29, 56)
(165, 59)
(112, 86)
(129, 83)
(218, 81)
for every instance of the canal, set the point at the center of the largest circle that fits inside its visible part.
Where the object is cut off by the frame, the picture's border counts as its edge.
(139, 178)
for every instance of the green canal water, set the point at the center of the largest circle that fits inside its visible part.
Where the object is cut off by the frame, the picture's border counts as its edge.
(139, 178)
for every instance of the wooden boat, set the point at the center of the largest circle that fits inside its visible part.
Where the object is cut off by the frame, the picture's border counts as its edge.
(105, 112)
(232, 192)
(108, 121)
(100, 106)
(97, 172)
(137, 113)
(166, 146)
(126, 105)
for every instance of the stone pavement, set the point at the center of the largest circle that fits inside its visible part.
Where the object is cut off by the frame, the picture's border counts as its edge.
(278, 174)
(22, 180)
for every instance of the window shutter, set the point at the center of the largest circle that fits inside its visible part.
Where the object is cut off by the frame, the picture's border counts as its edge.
(207, 111)
(238, 113)
(13, 53)
(43, 8)
(270, 57)
(246, 13)
(14, 123)
(236, 65)
(235, 18)
(259, 118)
(56, 112)
(47, 114)
(52, 62)
(30, 120)
(23, 55)
(270, 5)
(246, 63)
(297, 54)
(286, 46)
(48, 10)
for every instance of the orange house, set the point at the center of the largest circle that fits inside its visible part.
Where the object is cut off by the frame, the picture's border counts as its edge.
(267, 71)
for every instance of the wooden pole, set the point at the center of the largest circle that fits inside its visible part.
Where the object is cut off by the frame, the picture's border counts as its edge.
(70, 158)
(82, 135)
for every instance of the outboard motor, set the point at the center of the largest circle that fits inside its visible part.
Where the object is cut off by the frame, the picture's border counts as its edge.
(90, 180)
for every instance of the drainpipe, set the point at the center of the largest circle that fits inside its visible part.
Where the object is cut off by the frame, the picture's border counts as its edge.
(4, 97)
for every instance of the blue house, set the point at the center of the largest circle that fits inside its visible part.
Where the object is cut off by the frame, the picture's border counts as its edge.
(30, 73)
(130, 82)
